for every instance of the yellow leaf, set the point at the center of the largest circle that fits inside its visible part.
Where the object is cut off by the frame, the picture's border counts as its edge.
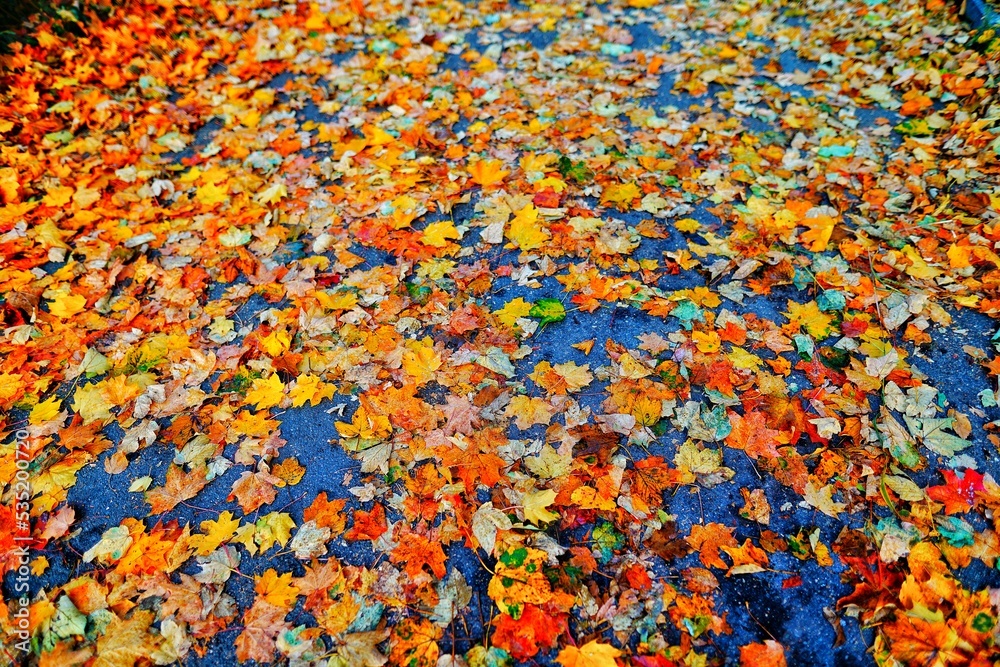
(529, 410)
(437, 234)
(809, 317)
(631, 368)
(245, 536)
(39, 565)
(10, 385)
(214, 533)
(590, 654)
(45, 411)
(821, 497)
(276, 343)
(90, 402)
(67, 305)
(959, 256)
(272, 194)
(125, 642)
(743, 360)
(512, 311)
(310, 388)
(266, 393)
(621, 194)
(535, 503)
(212, 194)
(919, 268)
(820, 229)
(706, 341)
(584, 346)
(525, 232)
(50, 236)
(365, 426)
(687, 225)
(276, 589)
(576, 377)
(273, 528)
(342, 300)
(376, 136)
(420, 361)
(58, 196)
(588, 498)
(487, 172)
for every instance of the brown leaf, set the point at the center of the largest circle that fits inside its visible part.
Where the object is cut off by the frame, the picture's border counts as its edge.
(179, 486)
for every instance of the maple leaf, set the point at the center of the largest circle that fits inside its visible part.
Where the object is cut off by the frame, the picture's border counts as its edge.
(519, 579)
(276, 589)
(413, 642)
(437, 234)
(289, 471)
(708, 539)
(819, 230)
(367, 525)
(747, 559)
(266, 393)
(272, 529)
(821, 497)
(591, 654)
(178, 487)
(525, 231)
(421, 361)
(215, 532)
(310, 388)
(67, 305)
(45, 411)
(587, 497)
(462, 415)
(917, 641)
(751, 434)
(809, 318)
(666, 544)
(417, 552)
(262, 623)
(651, 477)
(621, 194)
(124, 642)
(487, 172)
(513, 310)
(957, 493)
(365, 426)
(327, 513)
(486, 522)
(91, 403)
(768, 654)
(254, 489)
(361, 648)
(535, 503)
(529, 410)
(529, 633)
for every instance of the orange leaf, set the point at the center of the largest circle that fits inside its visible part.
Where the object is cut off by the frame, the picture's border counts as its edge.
(417, 552)
(487, 172)
(367, 525)
(768, 654)
(179, 486)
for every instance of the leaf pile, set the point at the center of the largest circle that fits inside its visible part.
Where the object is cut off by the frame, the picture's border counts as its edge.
(602, 309)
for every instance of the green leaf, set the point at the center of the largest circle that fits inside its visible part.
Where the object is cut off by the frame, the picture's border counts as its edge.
(915, 127)
(548, 310)
(578, 171)
(932, 434)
